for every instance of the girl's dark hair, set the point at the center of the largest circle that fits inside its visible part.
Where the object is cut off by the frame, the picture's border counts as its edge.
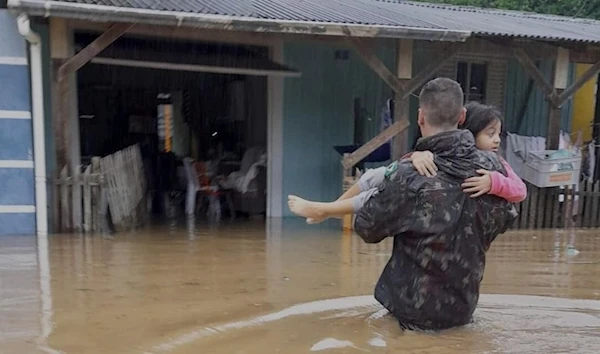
(479, 116)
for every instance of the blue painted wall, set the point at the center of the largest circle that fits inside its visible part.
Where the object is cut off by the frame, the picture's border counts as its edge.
(535, 121)
(319, 114)
(16, 147)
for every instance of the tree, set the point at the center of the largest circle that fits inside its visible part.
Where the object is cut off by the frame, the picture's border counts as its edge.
(572, 8)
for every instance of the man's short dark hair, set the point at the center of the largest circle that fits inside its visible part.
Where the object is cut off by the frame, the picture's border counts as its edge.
(442, 101)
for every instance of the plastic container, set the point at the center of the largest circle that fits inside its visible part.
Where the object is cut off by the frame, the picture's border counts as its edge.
(552, 168)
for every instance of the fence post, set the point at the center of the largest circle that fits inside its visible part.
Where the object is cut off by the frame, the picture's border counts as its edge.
(76, 196)
(580, 204)
(568, 208)
(64, 200)
(87, 199)
(524, 216)
(96, 190)
(594, 212)
(533, 211)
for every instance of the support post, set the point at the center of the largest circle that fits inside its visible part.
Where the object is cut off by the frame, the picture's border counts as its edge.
(400, 91)
(61, 43)
(404, 63)
(66, 115)
(561, 80)
(68, 66)
(554, 119)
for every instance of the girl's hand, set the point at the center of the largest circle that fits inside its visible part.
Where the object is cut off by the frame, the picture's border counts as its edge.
(478, 185)
(423, 163)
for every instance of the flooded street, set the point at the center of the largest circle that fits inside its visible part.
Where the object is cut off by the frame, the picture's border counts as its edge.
(289, 288)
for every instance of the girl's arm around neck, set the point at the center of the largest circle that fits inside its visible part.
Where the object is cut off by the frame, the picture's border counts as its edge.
(510, 187)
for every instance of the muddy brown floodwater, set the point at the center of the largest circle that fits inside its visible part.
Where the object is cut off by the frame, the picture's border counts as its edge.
(283, 288)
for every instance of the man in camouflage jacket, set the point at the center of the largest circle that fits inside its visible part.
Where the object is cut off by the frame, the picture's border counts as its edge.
(440, 233)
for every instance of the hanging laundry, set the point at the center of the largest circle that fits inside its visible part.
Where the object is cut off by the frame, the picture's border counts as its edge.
(566, 145)
(592, 160)
(386, 117)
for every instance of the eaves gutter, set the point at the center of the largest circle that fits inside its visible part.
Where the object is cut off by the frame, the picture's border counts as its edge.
(103, 13)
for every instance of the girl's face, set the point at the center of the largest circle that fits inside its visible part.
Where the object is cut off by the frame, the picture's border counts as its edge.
(489, 138)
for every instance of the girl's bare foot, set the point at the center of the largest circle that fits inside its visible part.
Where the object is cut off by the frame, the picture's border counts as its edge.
(306, 209)
(315, 221)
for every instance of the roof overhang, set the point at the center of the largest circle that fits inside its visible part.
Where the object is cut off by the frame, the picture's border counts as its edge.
(103, 13)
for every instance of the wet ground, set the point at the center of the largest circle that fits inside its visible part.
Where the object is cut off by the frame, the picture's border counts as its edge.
(289, 288)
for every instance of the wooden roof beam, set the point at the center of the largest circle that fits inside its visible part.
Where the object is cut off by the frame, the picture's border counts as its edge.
(359, 154)
(90, 51)
(535, 49)
(535, 73)
(431, 69)
(590, 56)
(580, 52)
(368, 55)
(575, 86)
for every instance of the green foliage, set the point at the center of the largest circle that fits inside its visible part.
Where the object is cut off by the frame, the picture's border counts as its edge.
(574, 8)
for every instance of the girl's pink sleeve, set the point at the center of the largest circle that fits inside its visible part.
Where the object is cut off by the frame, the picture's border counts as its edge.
(510, 187)
(407, 156)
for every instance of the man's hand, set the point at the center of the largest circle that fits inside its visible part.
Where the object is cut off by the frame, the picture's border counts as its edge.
(423, 163)
(478, 185)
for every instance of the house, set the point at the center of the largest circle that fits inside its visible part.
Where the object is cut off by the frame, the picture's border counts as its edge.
(315, 74)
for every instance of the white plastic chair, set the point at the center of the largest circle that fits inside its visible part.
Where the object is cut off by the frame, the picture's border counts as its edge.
(193, 187)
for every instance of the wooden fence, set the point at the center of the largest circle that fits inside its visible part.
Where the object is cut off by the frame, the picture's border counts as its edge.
(547, 208)
(68, 214)
(125, 187)
(108, 194)
(544, 208)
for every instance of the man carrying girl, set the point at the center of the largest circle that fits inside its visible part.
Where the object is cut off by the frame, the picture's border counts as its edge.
(441, 233)
(484, 122)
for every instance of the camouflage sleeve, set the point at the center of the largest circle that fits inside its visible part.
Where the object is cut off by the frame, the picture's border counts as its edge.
(387, 212)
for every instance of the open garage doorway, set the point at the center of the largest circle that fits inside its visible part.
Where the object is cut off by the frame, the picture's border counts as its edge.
(198, 111)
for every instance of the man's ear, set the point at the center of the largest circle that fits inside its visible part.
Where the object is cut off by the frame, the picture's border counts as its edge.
(463, 116)
(421, 118)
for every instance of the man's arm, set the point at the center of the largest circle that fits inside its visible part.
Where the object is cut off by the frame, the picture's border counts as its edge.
(386, 213)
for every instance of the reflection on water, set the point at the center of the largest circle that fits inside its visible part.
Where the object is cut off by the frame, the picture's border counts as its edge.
(192, 287)
(19, 290)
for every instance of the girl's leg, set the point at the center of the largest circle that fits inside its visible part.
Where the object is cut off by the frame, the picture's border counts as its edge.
(316, 212)
(372, 179)
(352, 192)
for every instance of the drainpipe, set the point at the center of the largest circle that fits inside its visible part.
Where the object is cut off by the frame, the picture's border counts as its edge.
(37, 114)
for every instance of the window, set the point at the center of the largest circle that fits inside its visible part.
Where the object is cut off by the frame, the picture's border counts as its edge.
(473, 79)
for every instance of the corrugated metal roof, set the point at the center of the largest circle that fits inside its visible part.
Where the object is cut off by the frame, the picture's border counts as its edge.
(394, 13)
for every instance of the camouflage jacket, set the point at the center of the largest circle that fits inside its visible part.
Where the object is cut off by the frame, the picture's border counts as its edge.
(440, 233)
